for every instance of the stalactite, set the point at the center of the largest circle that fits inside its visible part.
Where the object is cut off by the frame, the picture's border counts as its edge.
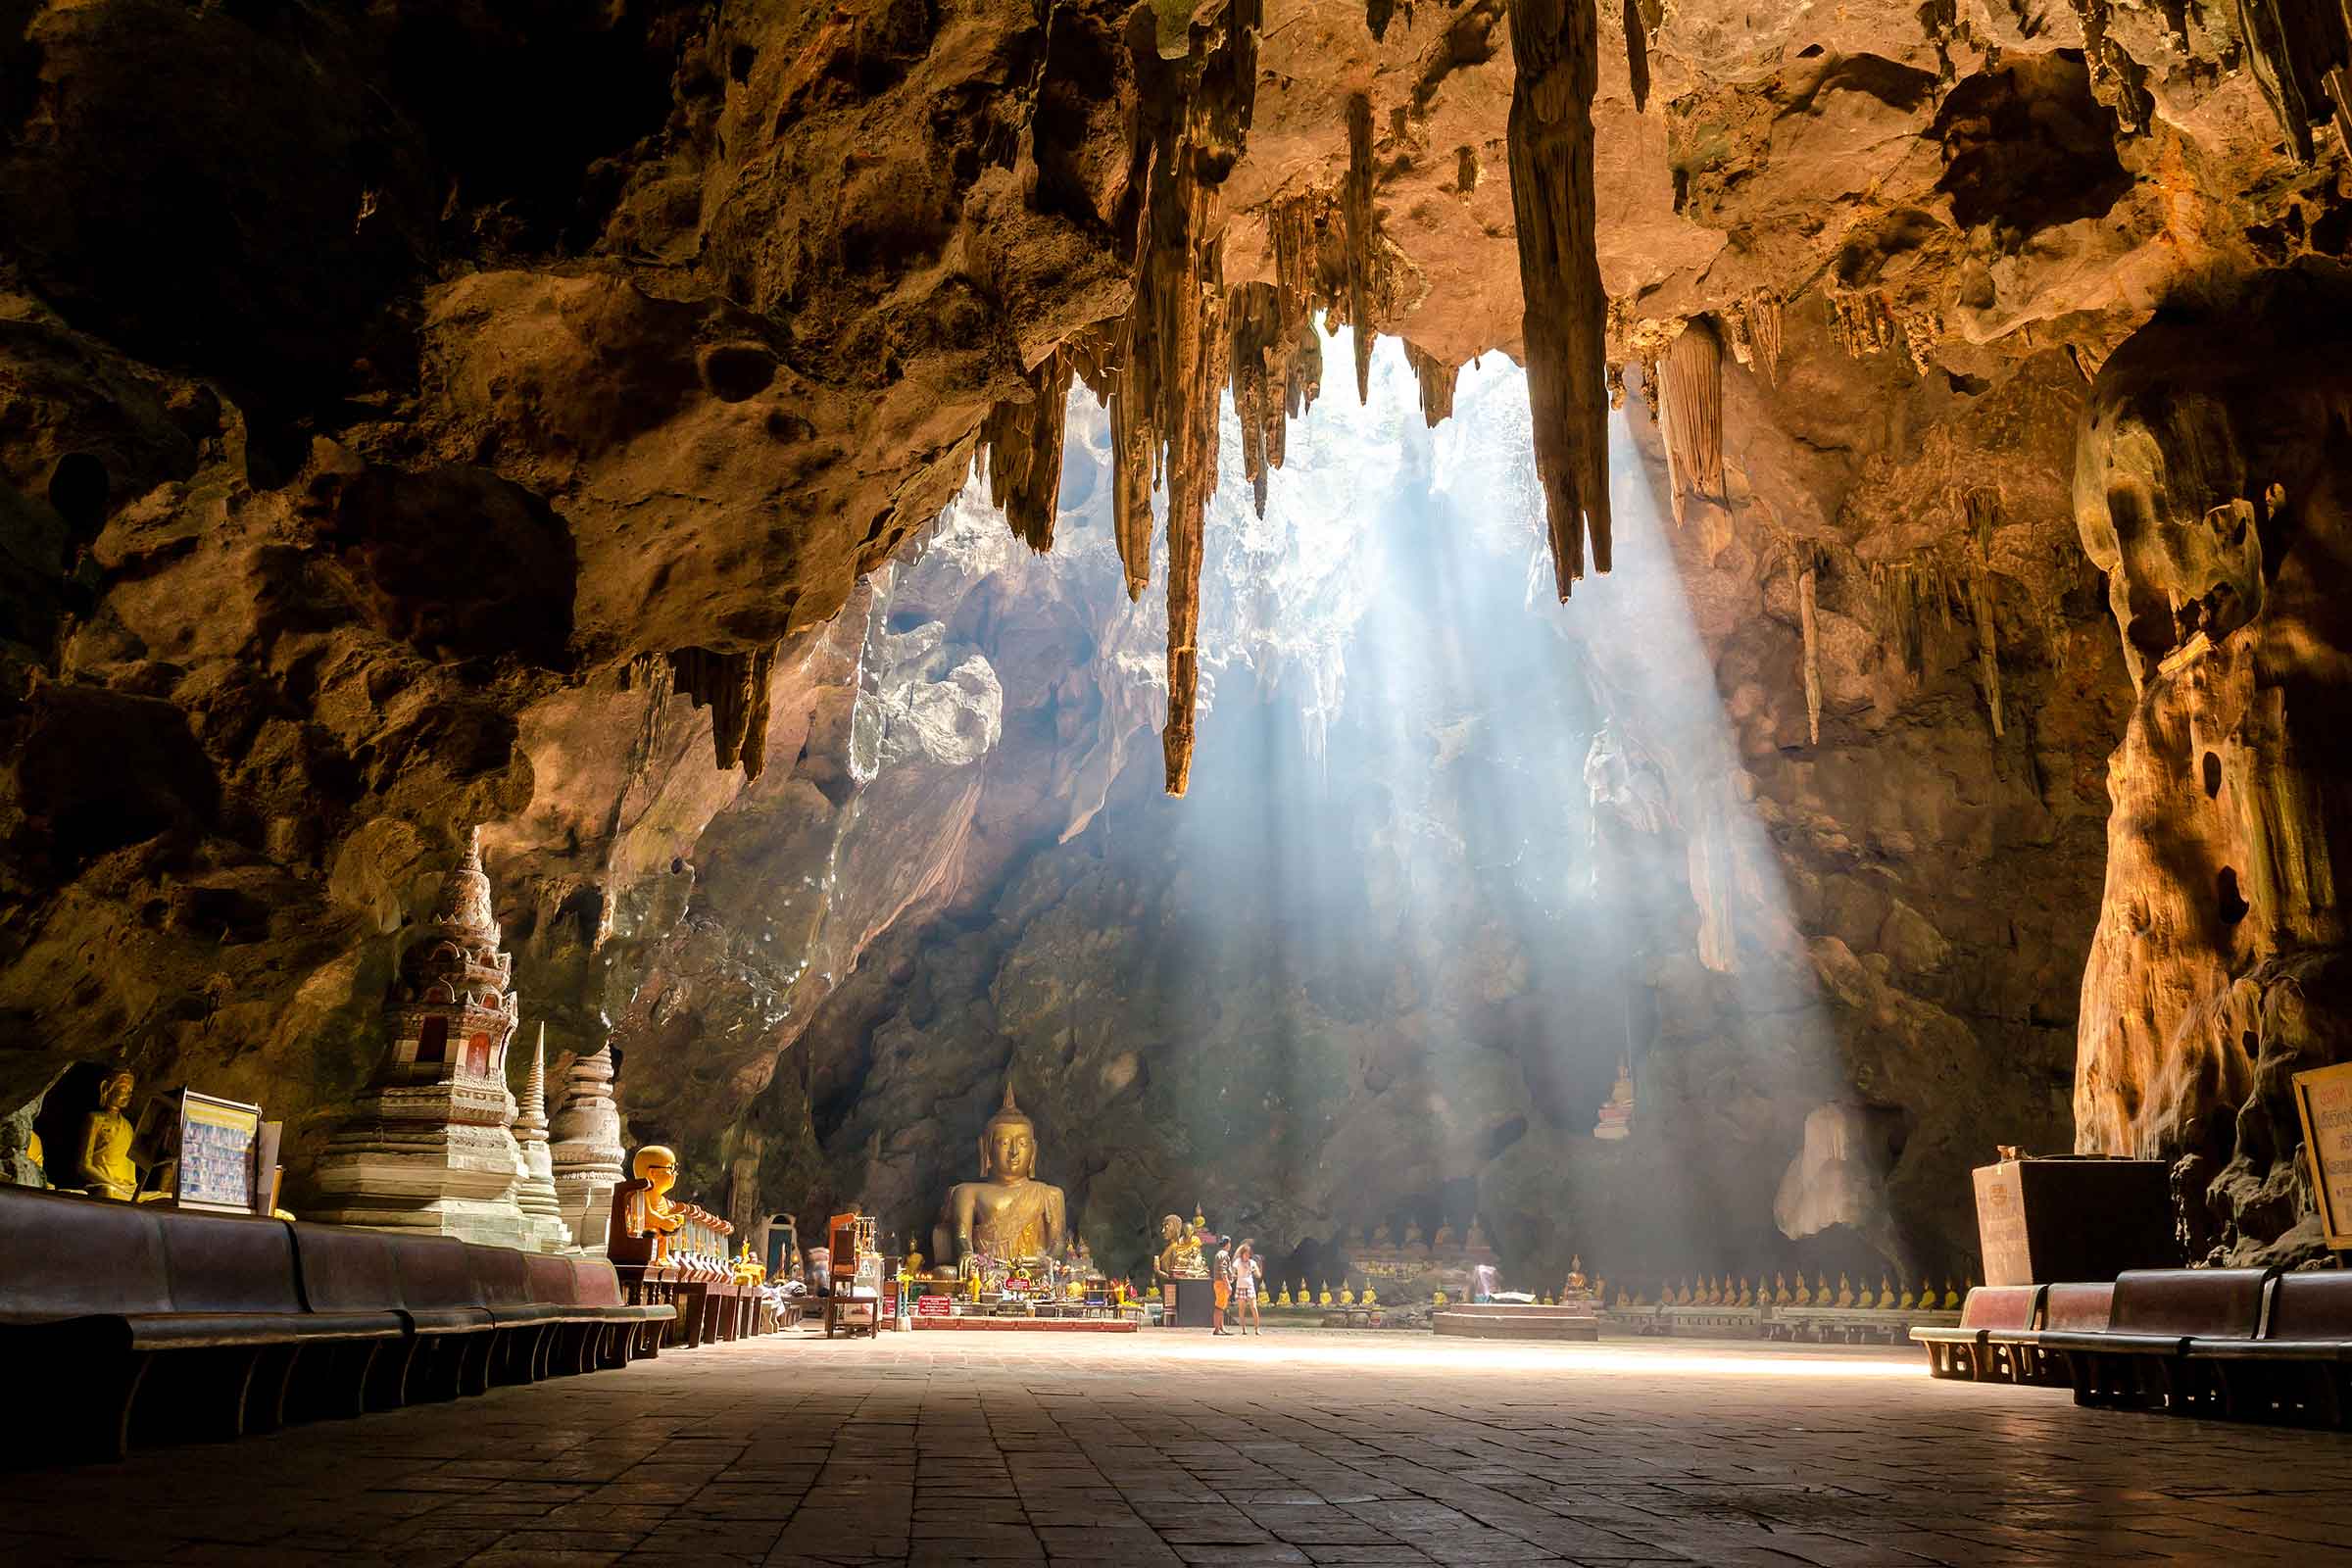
(1024, 452)
(2298, 51)
(1693, 409)
(1637, 54)
(1356, 205)
(1906, 590)
(1806, 563)
(1753, 327)
(734, 687)
(1557, 59)
(1253, 341)
(1436, 382)
(1982, 508)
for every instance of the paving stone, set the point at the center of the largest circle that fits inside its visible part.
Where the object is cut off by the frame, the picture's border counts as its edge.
(1303, 1447)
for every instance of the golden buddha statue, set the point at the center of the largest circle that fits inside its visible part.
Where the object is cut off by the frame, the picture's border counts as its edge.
(1845, 1291)
(651, 1212)
(1438, 1300)
(1368, 1298)
(1284, 1300)
(106, 1168)
(1007, 1213)
(1326, 1297)
(1179, 1253)
(1346, 1296)
(1780, 1289)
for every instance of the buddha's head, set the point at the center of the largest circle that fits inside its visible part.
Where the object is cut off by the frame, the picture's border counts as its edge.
(1170, 1228)
(1008, 1144)
(115, 1092)
(656, 1164)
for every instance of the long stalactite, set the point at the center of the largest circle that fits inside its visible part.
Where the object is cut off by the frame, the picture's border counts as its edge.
(1691, 403)
(1557, 59)
(1356, 205)
(1024, 452)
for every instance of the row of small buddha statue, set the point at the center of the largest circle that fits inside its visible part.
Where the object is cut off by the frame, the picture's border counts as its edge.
(1345, 1298)
(1725, 1293)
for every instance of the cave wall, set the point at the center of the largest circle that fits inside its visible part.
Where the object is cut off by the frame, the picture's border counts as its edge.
(438, 414)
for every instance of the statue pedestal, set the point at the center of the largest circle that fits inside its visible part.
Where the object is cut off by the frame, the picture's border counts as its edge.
(422, 1172)
(1188, 1303)
(2039, 1220)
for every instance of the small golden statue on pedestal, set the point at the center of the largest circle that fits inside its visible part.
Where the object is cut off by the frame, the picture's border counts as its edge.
(1180, 1251)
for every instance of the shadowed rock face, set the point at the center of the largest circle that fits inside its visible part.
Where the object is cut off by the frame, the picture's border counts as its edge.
(441, 413)
(2211, 487)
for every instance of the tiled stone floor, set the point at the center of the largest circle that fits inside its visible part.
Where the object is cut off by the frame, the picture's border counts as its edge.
(1160, 1448)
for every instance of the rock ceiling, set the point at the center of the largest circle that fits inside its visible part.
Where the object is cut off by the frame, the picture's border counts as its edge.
(442, 413)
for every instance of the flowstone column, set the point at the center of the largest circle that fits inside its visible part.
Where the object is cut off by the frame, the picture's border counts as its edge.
(429, 1146)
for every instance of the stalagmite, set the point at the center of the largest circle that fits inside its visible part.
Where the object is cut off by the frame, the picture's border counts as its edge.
(1982, 505)
(734, 686)
(1356, 205)
(1024, 452)
(1692, 408)
(1557, 58)
(1436, 382)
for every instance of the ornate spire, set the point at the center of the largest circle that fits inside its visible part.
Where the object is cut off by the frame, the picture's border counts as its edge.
(530, 1126)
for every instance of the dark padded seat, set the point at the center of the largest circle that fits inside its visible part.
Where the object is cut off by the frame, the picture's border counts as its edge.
(2309, 1320)
(2067, 1308)
(436, 1285)
(2157, 1311)
(502, 1282)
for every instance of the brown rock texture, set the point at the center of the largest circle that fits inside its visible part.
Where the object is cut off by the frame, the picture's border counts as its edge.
(429, 414)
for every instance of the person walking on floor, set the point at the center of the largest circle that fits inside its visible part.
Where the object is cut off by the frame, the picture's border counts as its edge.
(1247, 1277)
(1221, 1290)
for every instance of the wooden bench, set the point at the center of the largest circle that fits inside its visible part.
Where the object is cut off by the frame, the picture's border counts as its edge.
(1968, 1351)
(2297, 1369)
(2139, 1360)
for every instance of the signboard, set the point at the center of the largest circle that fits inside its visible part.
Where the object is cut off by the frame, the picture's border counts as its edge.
(216, 1153)
(2323, 1100)
(933, 1307)
(2001, 1225)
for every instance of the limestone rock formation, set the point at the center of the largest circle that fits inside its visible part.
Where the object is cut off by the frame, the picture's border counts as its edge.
(2211, 487)
(410, 418)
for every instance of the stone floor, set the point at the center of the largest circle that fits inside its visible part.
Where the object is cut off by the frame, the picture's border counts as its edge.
(1303, 1447)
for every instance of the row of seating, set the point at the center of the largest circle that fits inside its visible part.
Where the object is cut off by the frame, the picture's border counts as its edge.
(139, 1323)
(2252, 1344)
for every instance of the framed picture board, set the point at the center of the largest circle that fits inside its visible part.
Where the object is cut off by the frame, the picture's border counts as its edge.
(203, 1151)
(2324, 1101)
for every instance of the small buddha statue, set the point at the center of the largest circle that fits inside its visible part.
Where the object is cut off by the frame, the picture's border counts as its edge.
(1439, 1301)
(1346, 1295)
(1624, 1301)
(1007, 1214)
(1910, 1296)
(1951, 1296)
(1368, 1298)
(1845, 1291)
(1804, 1292)
(106, 1168)
(1284, 1300)
(1747, 1292)
(1780, 1289)
(1576, 1274)
(1180, 1252)
(651, 1212)
(1325, 1299)
(1544, 1299)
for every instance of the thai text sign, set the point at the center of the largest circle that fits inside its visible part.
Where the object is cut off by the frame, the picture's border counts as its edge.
(2324, 1100)
(931, 1306)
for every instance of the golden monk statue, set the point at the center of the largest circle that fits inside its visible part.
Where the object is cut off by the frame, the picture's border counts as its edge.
(1180, 1251)
(106, 1169)
(1007, 1214)
(651, 1211)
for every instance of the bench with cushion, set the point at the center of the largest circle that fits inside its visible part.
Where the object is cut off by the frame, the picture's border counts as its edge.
(1968, 1350)
(2297, 1368)
(2138, 1359)
(204, 1314)
(2070, 1309)
(632, 1329)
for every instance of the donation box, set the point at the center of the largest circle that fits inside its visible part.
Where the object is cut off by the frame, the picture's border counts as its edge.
(2039, 1220)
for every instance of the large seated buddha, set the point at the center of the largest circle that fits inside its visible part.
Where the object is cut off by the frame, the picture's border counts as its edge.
(1007, 1214)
